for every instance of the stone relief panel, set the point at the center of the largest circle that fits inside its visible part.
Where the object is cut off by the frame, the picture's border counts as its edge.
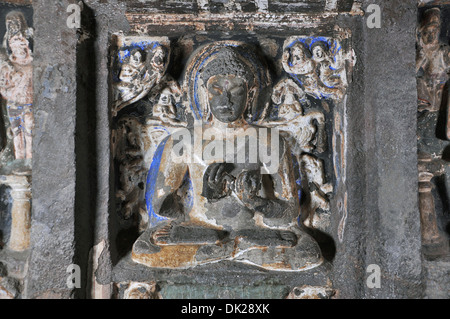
(433, 57)
(16, 99)
(135, 140)
(16, 86)
(315, 68)
(16, 128)
(226, 153)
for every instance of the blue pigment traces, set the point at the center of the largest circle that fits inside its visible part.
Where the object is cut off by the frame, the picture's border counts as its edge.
(143, 45)
(298, 182)
(151, 184)
(308, 42)
(154, 218)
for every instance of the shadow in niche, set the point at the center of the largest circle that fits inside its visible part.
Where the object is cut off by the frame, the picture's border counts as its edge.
(124, 241)
(326, 243)
(441, 124)
(85, 147)
(446, 154)
(5, 215)
(443, 210)
(441, 189)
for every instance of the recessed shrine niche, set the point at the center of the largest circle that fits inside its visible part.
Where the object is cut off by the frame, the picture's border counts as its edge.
(433, 128)
(16, 126)
(229, 151)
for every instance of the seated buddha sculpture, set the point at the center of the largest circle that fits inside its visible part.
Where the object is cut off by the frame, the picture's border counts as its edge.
(236, 207)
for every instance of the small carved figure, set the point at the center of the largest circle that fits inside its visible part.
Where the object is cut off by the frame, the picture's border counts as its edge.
(313, 171)
(314, 70)
(306, 132)
(165, 98)
(133, 76)
(139, 72)
(326, 67)
(288, 94)
(16, 87)
(16, 24)
(297, 60)
(158, 62)
(432, 62)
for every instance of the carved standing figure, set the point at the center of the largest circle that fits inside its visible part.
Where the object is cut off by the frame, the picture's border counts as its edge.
(432, 62)
(305, 133)
(238, 210)
(165, 97)
(16, 88)
(16, 85)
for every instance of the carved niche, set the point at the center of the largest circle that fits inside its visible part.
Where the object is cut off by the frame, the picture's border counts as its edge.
(433, 67)
(219, 159)
(16, 124)
(16, 86)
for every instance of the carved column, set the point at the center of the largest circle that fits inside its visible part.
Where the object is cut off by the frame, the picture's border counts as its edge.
(21, 210)
(432, 239)
(430, 231)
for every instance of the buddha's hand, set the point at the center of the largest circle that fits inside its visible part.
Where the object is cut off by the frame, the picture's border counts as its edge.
(247, 186)
(218, 180)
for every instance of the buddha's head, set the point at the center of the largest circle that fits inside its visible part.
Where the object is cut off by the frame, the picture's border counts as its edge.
(229, 84)
(224, 81)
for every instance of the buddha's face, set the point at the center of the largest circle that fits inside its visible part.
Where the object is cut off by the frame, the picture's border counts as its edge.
(227, 95)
